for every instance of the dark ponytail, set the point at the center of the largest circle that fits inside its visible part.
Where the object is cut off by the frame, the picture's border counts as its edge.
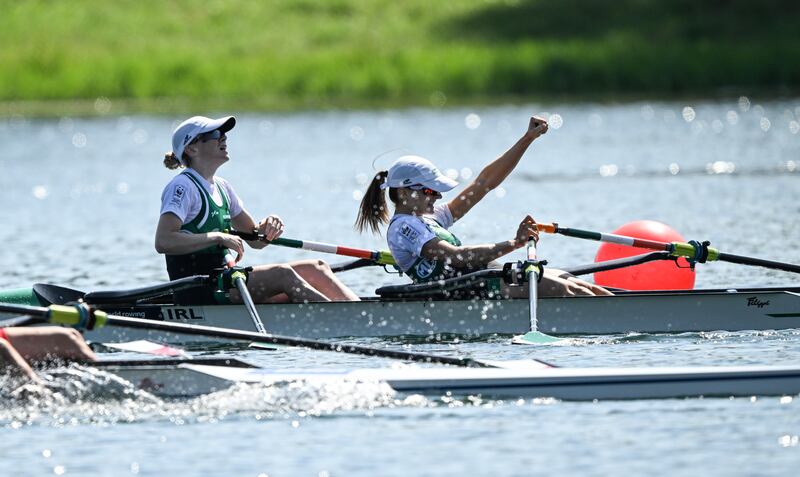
(372, 212)
(171, 161)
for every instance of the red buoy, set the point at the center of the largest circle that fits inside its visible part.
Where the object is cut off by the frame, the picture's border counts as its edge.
(658, 275)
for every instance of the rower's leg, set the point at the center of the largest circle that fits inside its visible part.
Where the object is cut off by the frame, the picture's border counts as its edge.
(319, 274)
(49, 342)
(554, 285)
(267, 281)
(13, 363)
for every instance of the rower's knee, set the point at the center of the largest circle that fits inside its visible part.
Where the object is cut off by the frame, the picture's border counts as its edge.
(285, 273)
(322, 266)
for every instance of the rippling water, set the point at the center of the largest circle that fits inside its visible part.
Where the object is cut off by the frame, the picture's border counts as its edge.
(82, 197)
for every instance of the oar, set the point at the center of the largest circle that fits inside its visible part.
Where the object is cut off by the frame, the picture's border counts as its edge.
(240, 280)
(534, 336)
(693, 250)
(379, 257)
(84, 316)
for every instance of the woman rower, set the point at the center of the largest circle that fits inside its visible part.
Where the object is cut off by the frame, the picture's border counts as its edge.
(418, 234)
(197, 210)
(20, 346)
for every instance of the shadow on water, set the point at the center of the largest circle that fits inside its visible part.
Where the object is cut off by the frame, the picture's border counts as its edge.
(653, 20)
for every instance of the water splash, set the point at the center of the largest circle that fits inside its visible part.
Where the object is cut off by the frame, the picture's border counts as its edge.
(77, 395)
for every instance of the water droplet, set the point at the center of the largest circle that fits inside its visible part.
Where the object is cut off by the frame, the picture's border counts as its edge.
(125, 124)
(472, 121)
(134, 467)
(609, 170)
(466, 173)
(556, 121)
(59, 470)
(503, 127)
(794, 127)
(451, 173)
(688, 114)
(732, 117)
(356, 133)
(65, 124)
(266, 127)
(361, 178)
(385, 124)
(595, 120)
(357, 195)
(674, 168)
(500, 192)
(717, 126)
(140, 136)
(123, 188)
(438, 99)
(102, 105)
(721, 167)
(79, 140)
(47, 453)
(764, 124)
(744, 104)
(40, 192)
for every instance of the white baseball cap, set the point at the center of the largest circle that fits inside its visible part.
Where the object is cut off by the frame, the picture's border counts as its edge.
(414, 170)
(188, 130)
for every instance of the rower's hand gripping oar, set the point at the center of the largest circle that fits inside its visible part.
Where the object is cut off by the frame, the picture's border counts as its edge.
(378, 257)
(693, 251)
(84, 316)
(534, 269)
(238, 277)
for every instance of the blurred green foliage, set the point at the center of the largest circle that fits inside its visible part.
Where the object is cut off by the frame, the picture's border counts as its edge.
(317, 53)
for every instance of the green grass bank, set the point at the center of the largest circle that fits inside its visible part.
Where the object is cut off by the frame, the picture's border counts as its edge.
(150, 55)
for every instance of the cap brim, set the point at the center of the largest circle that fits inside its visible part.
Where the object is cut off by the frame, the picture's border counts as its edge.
(223, 124)
(440, 184)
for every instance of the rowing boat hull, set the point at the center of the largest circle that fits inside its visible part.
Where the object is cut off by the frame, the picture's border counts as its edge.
(665, 312)
(573, 384)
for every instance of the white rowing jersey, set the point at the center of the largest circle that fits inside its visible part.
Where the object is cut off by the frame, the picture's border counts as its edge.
(407, 234)
(182, 198)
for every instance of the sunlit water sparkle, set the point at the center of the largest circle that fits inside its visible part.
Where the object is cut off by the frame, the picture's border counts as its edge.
(87, 195)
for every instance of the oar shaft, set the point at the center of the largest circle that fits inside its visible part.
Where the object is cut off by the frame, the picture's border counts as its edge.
(285, 340)
(239, 280)
(787, 267)
(241, 285)
(533, 286)
(381, 257)
(676, 249)
(73, 316)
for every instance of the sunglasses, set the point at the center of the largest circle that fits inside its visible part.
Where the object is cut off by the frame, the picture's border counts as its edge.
(211, 135)
(425, 190)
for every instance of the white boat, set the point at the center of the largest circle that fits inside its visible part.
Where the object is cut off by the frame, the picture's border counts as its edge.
(431, 318)
(575, 384)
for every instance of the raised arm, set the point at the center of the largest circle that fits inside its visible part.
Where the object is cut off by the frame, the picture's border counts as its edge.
(493, 175)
